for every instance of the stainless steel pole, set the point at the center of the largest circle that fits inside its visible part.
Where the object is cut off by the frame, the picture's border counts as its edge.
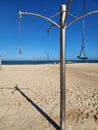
(62, 67)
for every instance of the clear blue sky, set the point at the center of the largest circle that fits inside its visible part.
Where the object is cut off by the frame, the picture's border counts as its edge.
(34, 40)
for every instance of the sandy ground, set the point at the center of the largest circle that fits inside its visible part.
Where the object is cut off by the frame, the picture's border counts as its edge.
(30, 97)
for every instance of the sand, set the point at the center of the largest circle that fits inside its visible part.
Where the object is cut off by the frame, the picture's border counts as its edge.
(30, 97)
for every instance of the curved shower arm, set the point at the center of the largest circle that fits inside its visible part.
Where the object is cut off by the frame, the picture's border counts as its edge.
(81, 17)
(40, 16)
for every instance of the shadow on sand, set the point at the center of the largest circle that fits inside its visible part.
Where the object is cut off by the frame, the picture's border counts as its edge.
(38, 108)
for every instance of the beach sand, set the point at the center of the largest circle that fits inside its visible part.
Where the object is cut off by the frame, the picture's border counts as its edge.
(30, 97)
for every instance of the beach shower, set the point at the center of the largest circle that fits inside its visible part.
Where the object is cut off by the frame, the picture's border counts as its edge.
(62, 27)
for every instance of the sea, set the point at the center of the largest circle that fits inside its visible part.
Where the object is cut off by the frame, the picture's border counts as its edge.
(38, 62)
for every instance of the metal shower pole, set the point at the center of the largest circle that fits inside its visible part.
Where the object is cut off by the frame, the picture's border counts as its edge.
(62, 67)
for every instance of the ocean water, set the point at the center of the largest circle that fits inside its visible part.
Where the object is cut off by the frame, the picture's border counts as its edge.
(29, 62)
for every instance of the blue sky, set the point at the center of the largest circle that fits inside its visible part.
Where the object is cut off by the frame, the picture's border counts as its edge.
(35, 42)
